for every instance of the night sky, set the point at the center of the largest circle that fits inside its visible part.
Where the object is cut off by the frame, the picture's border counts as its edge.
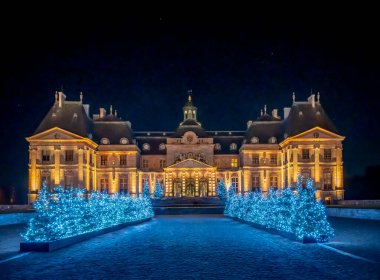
(234, 65)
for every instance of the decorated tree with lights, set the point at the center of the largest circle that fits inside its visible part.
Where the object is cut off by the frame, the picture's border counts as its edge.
(158, 192)
(146, 190)
(232, 200)
(285, 208)
(309, 216)
(221, 190)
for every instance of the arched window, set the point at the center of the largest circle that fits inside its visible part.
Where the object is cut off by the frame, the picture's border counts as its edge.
(105, 141)
(161, 147)
(146, 147)
(124, 141)
(327, 179)
(254, 140)
(218, 147)
(233, 146)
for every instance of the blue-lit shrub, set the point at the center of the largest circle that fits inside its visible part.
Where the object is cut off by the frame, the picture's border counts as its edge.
(69, 212)
(296, 212)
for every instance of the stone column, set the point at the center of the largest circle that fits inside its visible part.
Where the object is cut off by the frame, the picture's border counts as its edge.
(282, 185)
(80, 166)
(87, 170)
(317, 172)
(339, 167)
(295, 164)
(57, 165)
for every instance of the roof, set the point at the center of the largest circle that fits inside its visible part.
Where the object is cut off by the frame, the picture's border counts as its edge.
(71, 117)
(114, 131)
(154, 143)
(264, 130)
(303, 116)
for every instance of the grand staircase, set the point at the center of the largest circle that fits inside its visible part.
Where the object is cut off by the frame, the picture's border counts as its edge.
(188, 206)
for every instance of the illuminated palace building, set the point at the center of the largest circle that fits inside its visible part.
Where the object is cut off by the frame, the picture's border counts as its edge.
(103, 153)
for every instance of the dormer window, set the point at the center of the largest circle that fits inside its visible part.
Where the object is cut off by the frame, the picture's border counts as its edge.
(146, 147)
(217, 147)
(233, 146)
(272, 140)
(105, 141)
(124, 141)
(254, 140)
(161, 147)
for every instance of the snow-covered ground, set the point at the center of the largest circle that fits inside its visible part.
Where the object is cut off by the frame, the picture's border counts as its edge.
(203, 247)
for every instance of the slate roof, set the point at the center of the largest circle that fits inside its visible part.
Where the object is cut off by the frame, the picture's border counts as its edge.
(112, 130)
(71, 117)
(264, 130)
(309, 118)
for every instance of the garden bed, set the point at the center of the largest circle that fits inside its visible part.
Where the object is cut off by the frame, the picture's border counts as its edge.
(58, 244)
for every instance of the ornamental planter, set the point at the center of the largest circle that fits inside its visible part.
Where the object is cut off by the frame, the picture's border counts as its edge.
(58, 244)
(282, 233)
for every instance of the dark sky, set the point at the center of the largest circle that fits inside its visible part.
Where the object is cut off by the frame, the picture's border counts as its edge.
(233, 64)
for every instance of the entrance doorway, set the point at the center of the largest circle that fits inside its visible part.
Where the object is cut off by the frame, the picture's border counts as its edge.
(190, 187)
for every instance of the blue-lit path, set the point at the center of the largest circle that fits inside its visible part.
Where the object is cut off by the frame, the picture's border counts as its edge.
(189, 247)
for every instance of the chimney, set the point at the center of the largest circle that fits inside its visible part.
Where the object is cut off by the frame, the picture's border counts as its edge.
(61, 98)
(102, 113)
(286, 112)
(86, 108)
(249, 123)
(311, 100)
(275, 113)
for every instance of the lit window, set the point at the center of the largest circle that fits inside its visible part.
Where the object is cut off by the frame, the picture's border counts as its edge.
(273, 159)
(161, 146)
(305, 154)
(254, 140)
(103, 160)
(273, 182)
(235, 184)
(146, 147)
(327, 179)
(255, 160)
(105, 141)
(69, 155)
(327, 154)
(162, 163)
(145, 163)
(217, 147)
(123, 184)
(272, 140)
(124, 141)
(234, 162)
(123, 160)
(45, 155)
(233, 146)
(104, 184)
(255, 181)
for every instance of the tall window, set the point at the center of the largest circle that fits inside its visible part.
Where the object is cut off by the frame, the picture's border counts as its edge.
(145, 181)
(255, 181)
(255, 160)
(103, 160)
(104, 184)
(235, 184)
(123, 184)
(234, 162)
(45, 179)
(69, 180)
(273, 182)
(327, 179)
(305, 154)
(162, 163)
(123, 160)
(305, 173)
(69, 155)
(145, 163)
(273, 159)
(327, 154)
(45, 155)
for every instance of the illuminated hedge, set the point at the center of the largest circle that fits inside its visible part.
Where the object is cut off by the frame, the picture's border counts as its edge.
(295, 212)
(69, 212)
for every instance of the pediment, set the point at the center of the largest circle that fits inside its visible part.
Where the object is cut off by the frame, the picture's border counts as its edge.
(189, 163)
(55, 133)
(318, 132)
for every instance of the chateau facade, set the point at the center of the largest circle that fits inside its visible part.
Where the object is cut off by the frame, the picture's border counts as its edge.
(102, 152)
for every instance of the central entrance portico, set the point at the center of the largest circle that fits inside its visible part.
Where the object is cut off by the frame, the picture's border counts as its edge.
(190, 178)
